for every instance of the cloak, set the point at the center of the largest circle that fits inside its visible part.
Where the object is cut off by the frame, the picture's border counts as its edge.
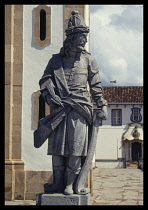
(67, 126)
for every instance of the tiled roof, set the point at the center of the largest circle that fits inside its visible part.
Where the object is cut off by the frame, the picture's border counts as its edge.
(123, 94)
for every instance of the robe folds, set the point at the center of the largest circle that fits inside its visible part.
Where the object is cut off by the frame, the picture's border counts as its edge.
(65, 90)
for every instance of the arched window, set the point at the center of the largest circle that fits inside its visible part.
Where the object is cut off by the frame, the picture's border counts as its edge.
(42, 25)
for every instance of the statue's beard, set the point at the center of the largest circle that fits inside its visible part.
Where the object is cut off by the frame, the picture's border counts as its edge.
(78, 49)
(70, 46)
(81, 47)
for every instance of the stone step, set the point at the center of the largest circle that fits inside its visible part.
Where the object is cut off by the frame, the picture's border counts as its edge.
(132, 164)
(132, 167)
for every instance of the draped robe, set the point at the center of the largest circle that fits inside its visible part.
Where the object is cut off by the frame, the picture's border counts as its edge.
(65, 90)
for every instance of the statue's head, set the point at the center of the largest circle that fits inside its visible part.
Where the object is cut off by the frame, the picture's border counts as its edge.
(76, 34)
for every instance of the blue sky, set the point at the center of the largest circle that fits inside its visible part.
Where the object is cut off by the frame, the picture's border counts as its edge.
(116, 41)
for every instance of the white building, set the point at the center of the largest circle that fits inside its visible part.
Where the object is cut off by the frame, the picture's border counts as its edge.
(120, 137)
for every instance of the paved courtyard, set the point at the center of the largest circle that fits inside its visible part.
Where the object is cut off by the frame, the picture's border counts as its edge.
(117, 187)
(111, 187)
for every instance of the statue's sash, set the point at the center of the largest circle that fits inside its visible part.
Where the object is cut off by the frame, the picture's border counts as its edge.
(60, 76)
(49, 123)
(65, 95)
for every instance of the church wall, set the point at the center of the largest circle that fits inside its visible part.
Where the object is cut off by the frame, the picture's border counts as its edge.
(34, 63)
(28, 168)
(13, 101)
(38, 166)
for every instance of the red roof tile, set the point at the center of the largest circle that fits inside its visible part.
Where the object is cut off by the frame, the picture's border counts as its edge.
(123, 94)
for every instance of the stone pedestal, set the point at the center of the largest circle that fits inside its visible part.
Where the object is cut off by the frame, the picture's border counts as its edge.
(43, 199)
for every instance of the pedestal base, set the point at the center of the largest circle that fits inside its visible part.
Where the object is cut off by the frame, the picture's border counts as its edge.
(43, 199)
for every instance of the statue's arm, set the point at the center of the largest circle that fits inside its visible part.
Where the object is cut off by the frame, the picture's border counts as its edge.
(47, 87)
(95, 85)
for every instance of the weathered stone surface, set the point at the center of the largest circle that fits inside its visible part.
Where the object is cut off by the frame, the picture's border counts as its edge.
(106, 195)
(128, 202)
(107, 191)
(71, 125)
(63, 200)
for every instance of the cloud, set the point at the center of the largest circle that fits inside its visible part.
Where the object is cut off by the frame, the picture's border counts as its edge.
(131, 18)
(117, 44)
(105, 13)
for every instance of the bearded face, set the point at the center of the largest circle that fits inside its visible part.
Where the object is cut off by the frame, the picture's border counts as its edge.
(79, 42)
(74, 42)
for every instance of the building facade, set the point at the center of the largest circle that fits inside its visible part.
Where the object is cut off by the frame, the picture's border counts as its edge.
(120, 137)
(32, 34)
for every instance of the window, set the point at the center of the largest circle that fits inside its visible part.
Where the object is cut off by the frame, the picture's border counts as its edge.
(116, 117)
(136, 115)
(41, 107)
(42, 25)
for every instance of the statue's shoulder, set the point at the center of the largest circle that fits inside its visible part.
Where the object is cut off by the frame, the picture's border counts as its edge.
(92, 61)
(56, 60)
(55, 55)
(88, 55)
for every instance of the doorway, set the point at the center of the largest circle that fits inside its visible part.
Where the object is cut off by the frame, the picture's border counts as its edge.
(136, 151)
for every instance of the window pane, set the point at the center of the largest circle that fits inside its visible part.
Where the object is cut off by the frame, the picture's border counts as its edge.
(116, 117)
(118, 113)
(114, 121)
(118, 120)
(114, 113)
(136, 118)
(136, 114)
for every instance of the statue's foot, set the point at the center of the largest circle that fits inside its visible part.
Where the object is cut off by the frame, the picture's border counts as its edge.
(84, 191)
(68, 190)
(53, 188)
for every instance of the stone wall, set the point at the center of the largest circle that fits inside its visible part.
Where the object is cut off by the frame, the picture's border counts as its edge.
(13, 99)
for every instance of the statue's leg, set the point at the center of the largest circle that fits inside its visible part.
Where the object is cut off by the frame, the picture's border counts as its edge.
(73, 169)
(58, 163)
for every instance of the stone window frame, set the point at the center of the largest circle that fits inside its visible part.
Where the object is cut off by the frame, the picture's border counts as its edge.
(36, 31)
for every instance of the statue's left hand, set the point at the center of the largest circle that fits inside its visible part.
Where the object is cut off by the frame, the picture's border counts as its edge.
(103, 114)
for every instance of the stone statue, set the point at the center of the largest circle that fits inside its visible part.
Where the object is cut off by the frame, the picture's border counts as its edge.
(69, 126)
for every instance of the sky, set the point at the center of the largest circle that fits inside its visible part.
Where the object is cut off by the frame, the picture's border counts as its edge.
(116, 41)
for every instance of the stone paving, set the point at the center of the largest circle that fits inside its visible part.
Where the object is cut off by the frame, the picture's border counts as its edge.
(21, 203)
(110, 187)
(117, 187)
